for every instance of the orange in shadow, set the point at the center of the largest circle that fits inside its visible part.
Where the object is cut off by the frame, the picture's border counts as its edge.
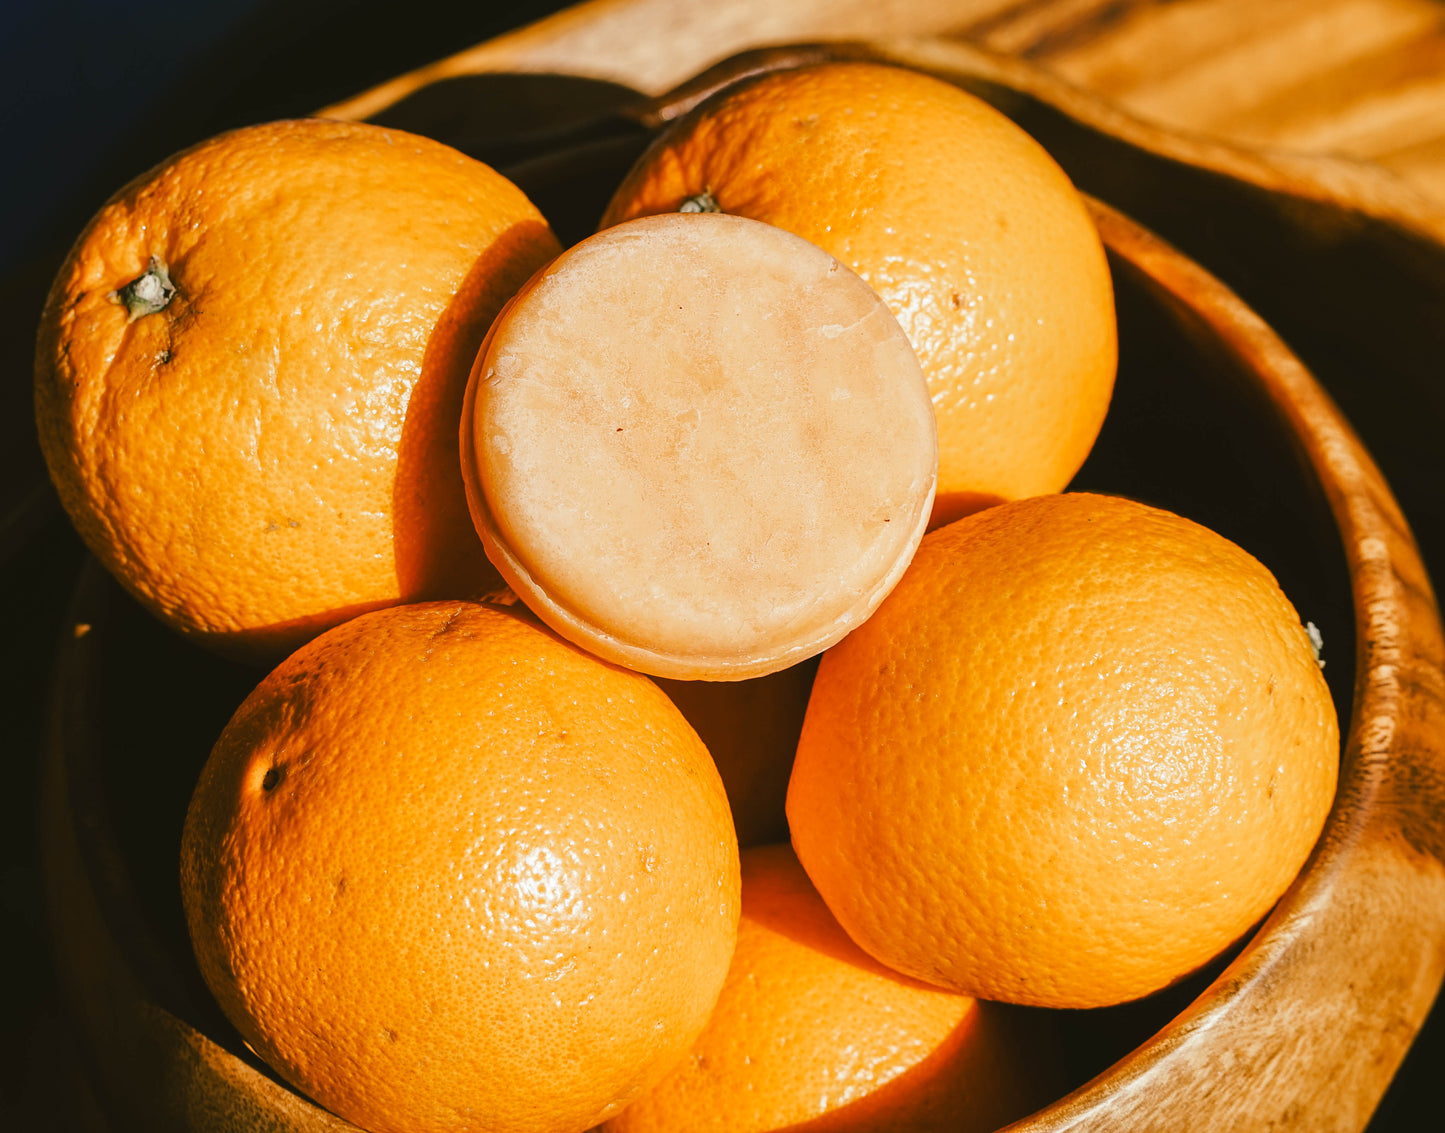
(751, 730)
(996, 1065)
(983, 1076)
(437, 551)
(267, 646)
(949, 506)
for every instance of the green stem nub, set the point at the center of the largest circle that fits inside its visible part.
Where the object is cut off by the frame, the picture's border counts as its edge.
(703, 202)
(148, 292)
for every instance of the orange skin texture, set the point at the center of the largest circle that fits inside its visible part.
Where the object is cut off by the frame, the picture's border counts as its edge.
(445, 871)
(276, 449)
(809, 1031)
(1081, 748)
(962, 223)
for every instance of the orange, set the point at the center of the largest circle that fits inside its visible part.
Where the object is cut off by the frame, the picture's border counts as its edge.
(1081, 748)
(249, 375)
(964, 225)
(751, 729)
(444, 871)
(808, 1029)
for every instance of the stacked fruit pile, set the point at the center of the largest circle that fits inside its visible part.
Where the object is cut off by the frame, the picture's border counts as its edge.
(334, 393)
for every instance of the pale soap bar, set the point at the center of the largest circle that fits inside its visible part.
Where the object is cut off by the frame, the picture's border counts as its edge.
(699, 446)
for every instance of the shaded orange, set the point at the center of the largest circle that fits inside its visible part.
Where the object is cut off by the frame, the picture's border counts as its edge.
(444, 871)
(964, 225)
(810, 1033)
(1081, 748)
(275, 449)
(751, 729)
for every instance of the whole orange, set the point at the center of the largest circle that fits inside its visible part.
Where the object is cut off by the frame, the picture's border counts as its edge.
(249, 375)
(808, 1028)
(1081, 748)
(965, 226)
(444, 871)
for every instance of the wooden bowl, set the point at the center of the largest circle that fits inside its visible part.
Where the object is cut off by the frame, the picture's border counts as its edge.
(1300, 1027)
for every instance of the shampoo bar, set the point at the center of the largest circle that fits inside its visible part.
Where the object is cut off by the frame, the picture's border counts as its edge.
(699, 446)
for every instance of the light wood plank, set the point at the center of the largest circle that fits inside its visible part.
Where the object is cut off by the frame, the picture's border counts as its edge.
(1260, 60)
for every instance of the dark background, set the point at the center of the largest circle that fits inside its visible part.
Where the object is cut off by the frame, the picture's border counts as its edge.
(93, 92)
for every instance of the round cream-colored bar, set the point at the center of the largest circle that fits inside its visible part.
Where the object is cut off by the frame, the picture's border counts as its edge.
(699, 446)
